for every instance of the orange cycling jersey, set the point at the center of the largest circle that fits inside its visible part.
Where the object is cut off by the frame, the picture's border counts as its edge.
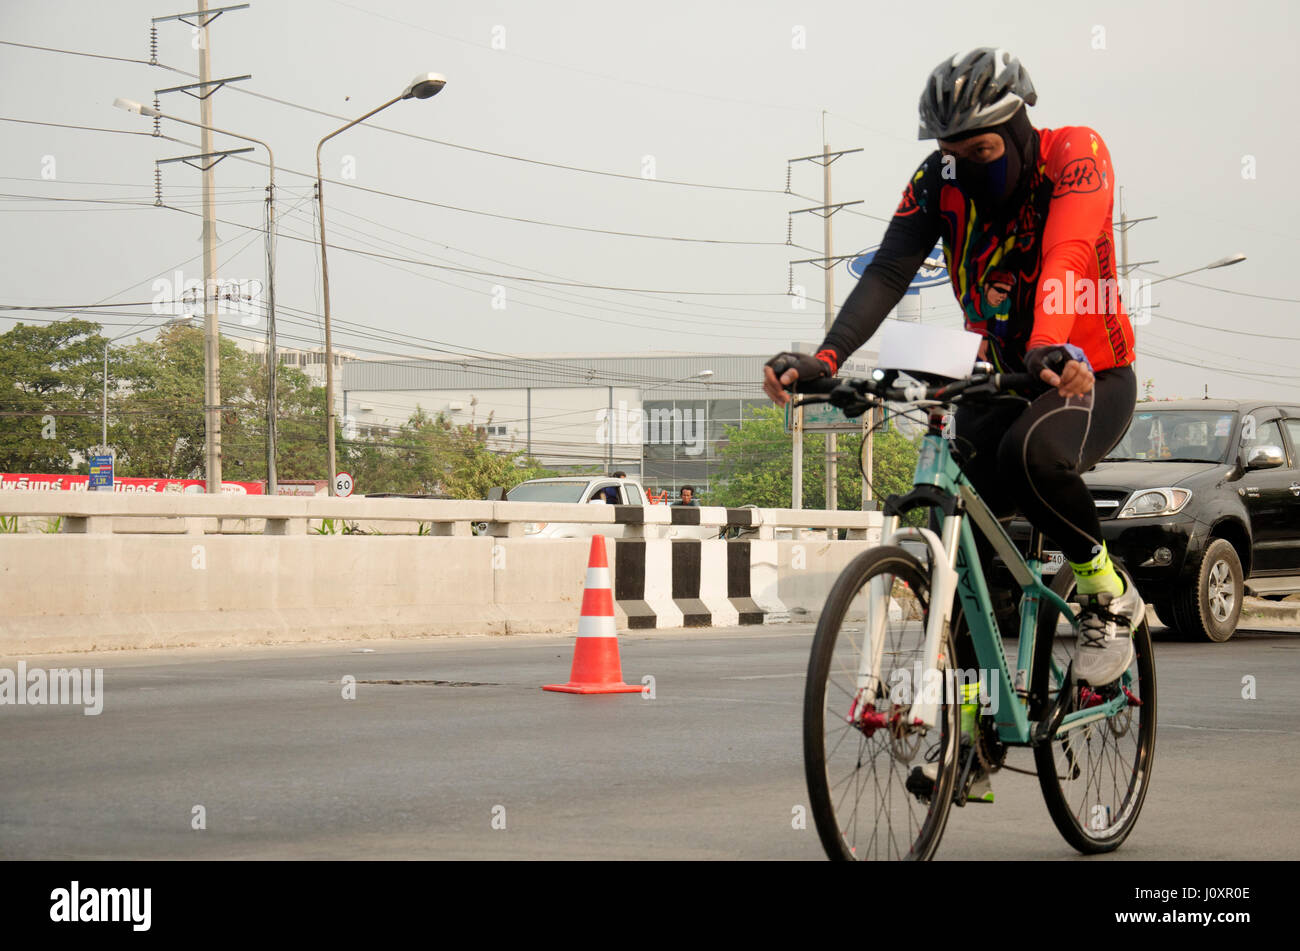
(1038, 272)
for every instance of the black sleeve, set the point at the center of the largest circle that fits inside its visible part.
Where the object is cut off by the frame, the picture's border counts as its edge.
(911, 236)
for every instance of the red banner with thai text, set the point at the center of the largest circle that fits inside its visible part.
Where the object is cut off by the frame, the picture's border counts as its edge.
(29, 482)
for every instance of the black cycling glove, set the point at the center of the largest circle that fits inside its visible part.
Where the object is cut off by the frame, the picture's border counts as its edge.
(1053, 358)
(808, 367)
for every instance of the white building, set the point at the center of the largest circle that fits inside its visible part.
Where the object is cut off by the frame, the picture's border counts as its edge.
(310, 361)
(656, 416)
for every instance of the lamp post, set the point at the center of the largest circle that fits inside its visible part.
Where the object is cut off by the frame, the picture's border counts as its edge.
(424, 86)
(104, 403)
(1222, 262)
(271, 359)
(703, 375)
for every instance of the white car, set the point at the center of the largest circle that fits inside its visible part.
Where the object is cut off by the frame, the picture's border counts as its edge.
(591, 491)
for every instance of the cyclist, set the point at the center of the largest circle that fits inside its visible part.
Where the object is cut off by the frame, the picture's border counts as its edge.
(1025, 219)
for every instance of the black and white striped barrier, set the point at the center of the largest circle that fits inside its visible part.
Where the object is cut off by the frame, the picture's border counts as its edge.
(665, 582)
(703, 580)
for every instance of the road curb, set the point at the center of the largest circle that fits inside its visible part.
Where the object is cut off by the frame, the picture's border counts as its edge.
(1283, 612)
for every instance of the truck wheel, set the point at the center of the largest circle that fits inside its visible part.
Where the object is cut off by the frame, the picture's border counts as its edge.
(1208, 605)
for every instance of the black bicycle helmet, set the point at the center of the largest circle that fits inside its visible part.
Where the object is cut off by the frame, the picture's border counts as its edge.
(973, 90)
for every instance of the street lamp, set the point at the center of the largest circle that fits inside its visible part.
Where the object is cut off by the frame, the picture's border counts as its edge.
(1222, 262)
(424, 86)
(131, 105)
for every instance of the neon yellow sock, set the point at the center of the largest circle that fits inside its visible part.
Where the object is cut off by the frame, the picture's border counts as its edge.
(1098, 576)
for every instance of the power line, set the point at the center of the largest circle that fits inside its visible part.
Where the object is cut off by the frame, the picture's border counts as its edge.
(83, 128)
(1226, 330)
(1224, 290)
(734, 322)
(442, 142)
(1237, 373)
(473, 254)
(64, 181)
(52, 49)
(515, 277)
(1255, 362)
(571, 68)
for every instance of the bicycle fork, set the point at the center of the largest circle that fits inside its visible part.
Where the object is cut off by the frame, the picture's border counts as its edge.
(943, 588)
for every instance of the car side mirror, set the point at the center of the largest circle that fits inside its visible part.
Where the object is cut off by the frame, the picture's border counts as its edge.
(1265, 457)
(496, 494)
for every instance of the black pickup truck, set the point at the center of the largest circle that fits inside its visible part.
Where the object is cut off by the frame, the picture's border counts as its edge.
(1200, 501)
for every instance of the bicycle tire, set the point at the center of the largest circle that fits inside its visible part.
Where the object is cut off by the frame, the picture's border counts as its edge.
(838, 831)
(1091, 818)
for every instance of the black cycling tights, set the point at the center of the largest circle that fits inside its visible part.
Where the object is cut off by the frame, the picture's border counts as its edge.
(1029, 457)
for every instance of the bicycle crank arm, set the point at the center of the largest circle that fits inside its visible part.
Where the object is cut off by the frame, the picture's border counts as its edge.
(1045, 729)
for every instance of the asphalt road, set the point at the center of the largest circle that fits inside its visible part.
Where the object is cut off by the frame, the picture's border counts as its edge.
(285, 767)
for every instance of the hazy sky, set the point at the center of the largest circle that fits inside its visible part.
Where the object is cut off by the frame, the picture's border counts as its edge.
(1188, 96)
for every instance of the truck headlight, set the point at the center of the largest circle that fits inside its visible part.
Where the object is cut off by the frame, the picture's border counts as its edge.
(1150, 502)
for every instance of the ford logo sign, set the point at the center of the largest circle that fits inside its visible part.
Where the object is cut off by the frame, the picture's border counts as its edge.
(933, 271)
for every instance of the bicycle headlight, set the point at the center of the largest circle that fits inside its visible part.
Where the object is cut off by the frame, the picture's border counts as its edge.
(1148, 502)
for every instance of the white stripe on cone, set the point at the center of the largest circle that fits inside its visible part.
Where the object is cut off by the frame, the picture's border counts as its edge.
(596, 627)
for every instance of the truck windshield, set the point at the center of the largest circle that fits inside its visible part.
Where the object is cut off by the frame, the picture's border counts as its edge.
(1182, 434)
(547, 492)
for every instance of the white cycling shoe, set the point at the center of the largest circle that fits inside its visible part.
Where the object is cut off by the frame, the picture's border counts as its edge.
(1104, 649)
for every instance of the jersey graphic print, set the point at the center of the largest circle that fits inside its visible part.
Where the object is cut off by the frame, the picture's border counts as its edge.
(994, 270)
(1048, 275)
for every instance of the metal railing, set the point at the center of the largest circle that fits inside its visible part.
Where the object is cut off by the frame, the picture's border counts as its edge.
(109, 513)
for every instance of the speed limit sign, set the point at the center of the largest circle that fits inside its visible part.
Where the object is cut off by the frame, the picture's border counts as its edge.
(343, 485)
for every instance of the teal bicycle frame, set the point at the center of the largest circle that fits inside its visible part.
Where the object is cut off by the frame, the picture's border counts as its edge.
(956, 570)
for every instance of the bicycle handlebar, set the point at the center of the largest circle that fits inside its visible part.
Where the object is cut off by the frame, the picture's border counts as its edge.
(861, 394)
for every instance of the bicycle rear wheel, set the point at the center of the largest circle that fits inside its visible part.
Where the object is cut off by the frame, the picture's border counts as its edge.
(1095, 778)
(866, 764)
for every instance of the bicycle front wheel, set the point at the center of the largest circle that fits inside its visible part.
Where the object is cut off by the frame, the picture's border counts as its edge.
(1095, 777)
(880, 786)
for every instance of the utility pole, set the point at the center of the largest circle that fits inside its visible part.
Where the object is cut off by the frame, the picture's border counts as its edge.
(272, 357)
(827, 263)
(796, 465)
(211, 328)
(868, 450)
(1124, 223)
(104, 433)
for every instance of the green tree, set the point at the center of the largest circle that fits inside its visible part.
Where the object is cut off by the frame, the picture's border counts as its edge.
(157, 421)
(432, 456)
(756, 462)
(50, 395)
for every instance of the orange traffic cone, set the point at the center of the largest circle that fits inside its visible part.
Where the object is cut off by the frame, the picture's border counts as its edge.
(596, 667)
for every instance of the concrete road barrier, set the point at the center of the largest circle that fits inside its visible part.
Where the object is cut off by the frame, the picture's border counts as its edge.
(130, 572)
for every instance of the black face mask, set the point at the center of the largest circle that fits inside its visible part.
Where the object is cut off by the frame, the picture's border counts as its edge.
(990, 184)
